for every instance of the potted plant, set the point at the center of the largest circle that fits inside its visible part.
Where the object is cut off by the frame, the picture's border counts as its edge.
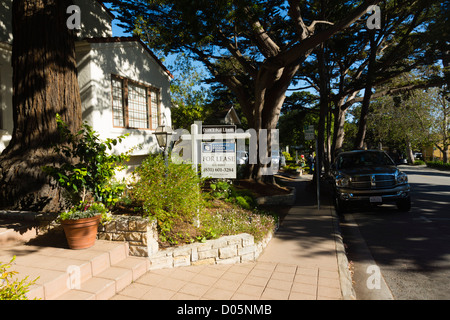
(80, 223)
(85, 175)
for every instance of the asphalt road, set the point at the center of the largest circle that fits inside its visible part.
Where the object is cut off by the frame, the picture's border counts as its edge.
(403, 256)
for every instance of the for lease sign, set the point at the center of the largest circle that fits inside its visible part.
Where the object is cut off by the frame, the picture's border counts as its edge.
(218, 160)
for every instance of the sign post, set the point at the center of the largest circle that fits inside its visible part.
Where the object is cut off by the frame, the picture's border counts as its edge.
(309, 135)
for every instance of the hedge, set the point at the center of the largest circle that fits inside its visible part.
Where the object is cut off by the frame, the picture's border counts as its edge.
(438, 165)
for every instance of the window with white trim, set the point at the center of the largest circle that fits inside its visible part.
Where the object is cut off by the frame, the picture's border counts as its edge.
(134, 104)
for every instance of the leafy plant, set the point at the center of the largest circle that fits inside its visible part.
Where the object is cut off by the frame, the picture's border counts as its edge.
(223, 190)
(86, 210)
(220, 189)
(11, 288)
(171, 195)
(90, 165)
(287, 156)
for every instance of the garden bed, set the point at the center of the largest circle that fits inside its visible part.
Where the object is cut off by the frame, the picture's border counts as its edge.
(141, 235)
(218, 218)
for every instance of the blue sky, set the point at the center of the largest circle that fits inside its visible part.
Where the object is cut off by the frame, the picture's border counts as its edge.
(118, 31)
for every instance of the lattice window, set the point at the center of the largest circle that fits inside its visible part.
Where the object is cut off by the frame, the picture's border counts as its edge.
(134, 105)
(154, 108)
(138, 116)
(118, 103)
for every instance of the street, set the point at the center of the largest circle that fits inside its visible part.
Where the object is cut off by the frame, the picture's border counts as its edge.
(412, 249)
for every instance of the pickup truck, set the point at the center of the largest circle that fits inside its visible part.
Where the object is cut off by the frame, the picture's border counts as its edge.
(370, 177)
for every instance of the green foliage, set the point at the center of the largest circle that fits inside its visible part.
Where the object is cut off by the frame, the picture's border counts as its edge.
(188, 96)
(89, 165)
(226, 191)
(287, 156)
(438, 165)
(171, 195)
(292, 167)
(220, 189)
(10, 287)
(86, 210)
(233, 219)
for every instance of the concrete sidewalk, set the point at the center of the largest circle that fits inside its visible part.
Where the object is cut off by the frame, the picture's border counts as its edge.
(304, 260)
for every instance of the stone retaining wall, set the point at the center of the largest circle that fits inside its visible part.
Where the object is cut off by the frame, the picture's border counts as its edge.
(225, 250)
(139, 232)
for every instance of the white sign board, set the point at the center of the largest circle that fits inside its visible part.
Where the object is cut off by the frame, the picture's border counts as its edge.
(218, 160)
(309, 133)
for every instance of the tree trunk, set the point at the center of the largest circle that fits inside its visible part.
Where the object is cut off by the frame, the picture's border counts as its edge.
(362, 126)
(338, 133)
(409, 151)
(270, 92)
(44, 84)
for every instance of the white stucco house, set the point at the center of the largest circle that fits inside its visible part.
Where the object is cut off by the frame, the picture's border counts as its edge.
(124, 87)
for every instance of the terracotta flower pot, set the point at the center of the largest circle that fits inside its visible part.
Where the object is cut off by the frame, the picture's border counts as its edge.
(81, 233)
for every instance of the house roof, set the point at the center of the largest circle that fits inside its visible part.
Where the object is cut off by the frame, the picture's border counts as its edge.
(130, 39)
(224, 116)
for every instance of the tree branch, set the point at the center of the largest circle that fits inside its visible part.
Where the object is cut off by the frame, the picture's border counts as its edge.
(302, 48)
(233, 49)
(266, 45)
(302, 29)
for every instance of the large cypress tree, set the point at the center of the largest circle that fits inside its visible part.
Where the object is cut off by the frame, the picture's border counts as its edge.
(44, 84)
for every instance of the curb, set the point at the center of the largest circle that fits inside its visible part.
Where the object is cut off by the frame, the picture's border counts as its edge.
(345, 278)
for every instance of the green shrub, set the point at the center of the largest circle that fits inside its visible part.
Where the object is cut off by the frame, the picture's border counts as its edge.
(438, 165)
(226, 191)
(287, 156)
(419, 162)
(233, 219)
(220, 189)
(94, 168)
(10, 288)
(171, 195)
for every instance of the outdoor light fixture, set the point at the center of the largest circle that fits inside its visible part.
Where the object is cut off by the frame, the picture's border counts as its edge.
(162, 134)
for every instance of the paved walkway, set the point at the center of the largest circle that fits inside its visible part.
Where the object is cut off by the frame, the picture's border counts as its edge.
(304, 260)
